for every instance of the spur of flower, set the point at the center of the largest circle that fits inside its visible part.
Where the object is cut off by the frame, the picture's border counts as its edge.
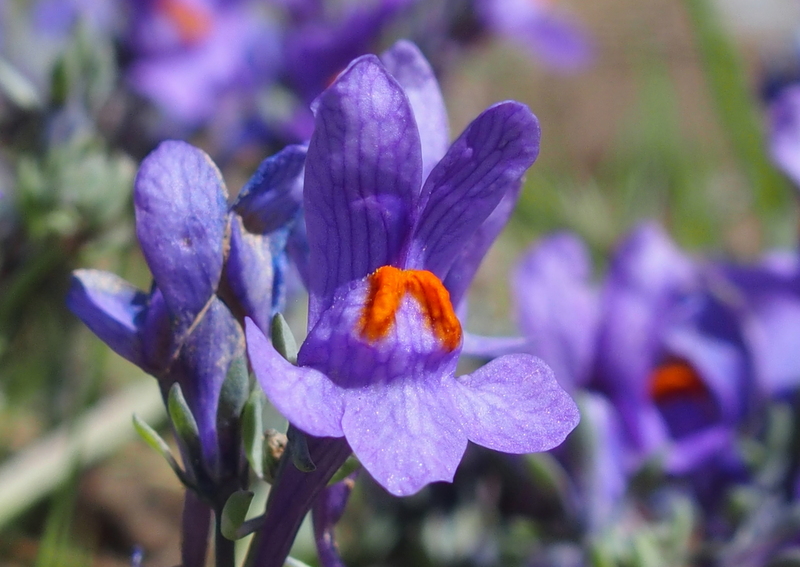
(396, 225)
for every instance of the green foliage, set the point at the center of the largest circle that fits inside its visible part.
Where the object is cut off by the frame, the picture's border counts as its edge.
(738, 113)
(283, 340)
(154, 440)
(76, 189)
(185, 426)
(253, 431)
(234, 513)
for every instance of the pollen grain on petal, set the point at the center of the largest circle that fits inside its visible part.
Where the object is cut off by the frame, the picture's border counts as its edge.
(675, 378)
(388, 287)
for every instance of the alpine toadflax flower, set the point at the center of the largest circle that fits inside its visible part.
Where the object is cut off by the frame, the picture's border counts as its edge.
(660, 341)
(211, 267)
(378, 365)
(542, 29)
(192, 57)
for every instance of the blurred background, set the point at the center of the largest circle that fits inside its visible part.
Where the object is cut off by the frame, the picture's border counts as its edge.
(664, 118)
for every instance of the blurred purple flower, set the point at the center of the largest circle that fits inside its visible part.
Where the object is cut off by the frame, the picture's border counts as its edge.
(657, 341)
(784, 134)
(319, 44)
(769, 297)
(182, 331)
(189, 55)
(377, 367)
(548, 34)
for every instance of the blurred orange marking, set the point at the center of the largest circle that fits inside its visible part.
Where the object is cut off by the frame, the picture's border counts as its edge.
(193, 23)
(674, 379)
(388, 287)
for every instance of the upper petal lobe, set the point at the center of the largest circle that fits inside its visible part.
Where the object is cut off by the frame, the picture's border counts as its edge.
(468, 183)
(363, 172)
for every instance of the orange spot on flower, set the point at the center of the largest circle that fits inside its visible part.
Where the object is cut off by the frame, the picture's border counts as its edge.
(192, 22)
(388, 287)
(675, 378)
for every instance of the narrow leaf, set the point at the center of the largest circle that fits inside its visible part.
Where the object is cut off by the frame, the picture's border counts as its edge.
(253, 432)
(298, 450)
(234, 393)
(234, 513)
(154, 440)
(283, 340)
(349, 466)
(185, 425)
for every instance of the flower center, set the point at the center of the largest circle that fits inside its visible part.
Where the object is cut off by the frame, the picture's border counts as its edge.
(387, 288)
(674, 379)
(193, 23)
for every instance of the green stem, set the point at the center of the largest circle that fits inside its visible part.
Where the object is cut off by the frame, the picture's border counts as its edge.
(737, 110)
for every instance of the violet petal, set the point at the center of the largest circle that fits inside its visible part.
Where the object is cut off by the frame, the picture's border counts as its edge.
(319, 49)
(306, 397)
(160, 339)
(513, 404)
(461, 273)
(249, 272)
(490, 156)
(648, 280)
(405, 433)
(601, 470)
(721, 363)
(201, 367)
(406, 63)
(274, 194)
(181, 219)
(771, 315)
(362, 176)
(558, 306)
(694, 450)
(112, 308)
(551, 36)
(326, 512)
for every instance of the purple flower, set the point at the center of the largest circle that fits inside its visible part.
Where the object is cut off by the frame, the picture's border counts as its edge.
(318, 44)
(769, 298)
(549, 35)
(660, 342)
(378, 365)
(784, 135)
(182, 331)
(191, 56)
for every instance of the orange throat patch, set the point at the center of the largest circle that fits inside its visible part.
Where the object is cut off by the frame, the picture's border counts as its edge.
(674, 379)
(387, 288)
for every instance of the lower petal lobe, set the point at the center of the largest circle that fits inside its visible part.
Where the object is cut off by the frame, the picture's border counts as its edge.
(513, 404)
(306, 397)
(404, 433)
